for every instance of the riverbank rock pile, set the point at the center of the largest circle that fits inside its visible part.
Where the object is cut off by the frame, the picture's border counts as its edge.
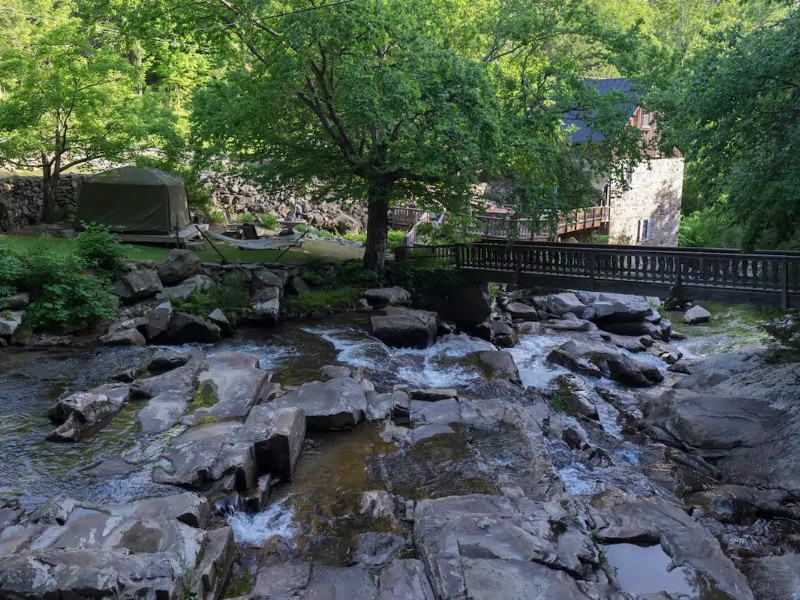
(155, 548)
(149, 292)
(487, 491)
(235, 197)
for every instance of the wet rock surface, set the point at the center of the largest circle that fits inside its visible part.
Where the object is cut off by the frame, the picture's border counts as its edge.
(437, 481)
(405, 328)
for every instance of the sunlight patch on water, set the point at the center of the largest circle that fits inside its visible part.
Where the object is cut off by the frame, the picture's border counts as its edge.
(257, 528)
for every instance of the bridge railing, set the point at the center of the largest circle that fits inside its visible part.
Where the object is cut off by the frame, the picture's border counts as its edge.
(747, 274)
(506, 228)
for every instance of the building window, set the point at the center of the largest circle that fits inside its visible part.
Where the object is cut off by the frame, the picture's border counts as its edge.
(644, 231)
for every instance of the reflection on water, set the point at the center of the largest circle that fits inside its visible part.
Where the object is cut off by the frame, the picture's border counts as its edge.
(646, 570)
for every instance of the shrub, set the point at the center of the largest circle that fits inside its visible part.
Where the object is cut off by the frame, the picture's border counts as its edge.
(100, 251)
(76, 302)
(245, 218)
(355, 237)
(395, 238)
(314, 272)
(268, 221)
(324, 299)
(354, 272)
(11, 269)
(232, 298)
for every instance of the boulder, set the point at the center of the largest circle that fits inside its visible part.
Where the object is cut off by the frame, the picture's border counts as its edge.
(138, 550)
(570, 324)
(15, 301)
(518, 310)
(596, 360)
(620, 308)
(235, 454)
(295, 285)
(577, 397)
(405, 579)
(560, 304)
(775, 577)
(498, 364)
(632, 328)
(157, 320)
(468, 304)
(168, 395)
(166, 360)
(186, 288)
(10, 321)
(218, 318)
(85, 412)
(339, 402)
(344, 223)
(483, 546)
(433, 394)
(404, 327)
(333, 371)
(136, 285)
(186, 328)
(375, 549)
(228, 386)
(267, 304)
(696, 315)
(396, 296)
(264, 278)
(179, 265)
(123, 337)
(502, 334)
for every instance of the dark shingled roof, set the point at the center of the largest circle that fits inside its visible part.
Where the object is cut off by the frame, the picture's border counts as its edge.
(584, 131)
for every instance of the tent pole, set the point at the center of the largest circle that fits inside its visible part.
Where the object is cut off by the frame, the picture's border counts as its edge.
(206, 238)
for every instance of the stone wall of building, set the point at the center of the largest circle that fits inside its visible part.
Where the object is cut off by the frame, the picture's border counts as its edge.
(648, 213)
(21, 200)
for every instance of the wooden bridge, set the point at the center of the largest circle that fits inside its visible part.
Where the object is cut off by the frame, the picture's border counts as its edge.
(769, 278)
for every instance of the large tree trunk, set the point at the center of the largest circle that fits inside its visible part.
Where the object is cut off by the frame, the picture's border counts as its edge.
(51, 173)
(377, 225)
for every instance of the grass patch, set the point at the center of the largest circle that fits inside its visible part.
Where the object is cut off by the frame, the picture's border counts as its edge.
(206, 397)
(312, 249)
(557, 401)
(324, 299)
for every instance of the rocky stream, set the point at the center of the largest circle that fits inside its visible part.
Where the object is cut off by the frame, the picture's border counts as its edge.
(599, 454)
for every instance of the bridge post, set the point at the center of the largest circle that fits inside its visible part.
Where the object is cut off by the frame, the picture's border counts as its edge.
(785, 283)
(590, 258)
(517, 258)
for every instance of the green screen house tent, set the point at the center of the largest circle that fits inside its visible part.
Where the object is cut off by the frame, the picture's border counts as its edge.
(134, 200)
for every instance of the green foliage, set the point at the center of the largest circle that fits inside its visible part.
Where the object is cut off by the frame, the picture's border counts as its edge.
(268, 221)
(232, 298)
(709, 228)
(314, 272)
(557, 401)
(100, 251)
(321, 233)
(354, 272)
(11, 271)
(245, 217)
(335, 299)
(598, 238)
(62, 295)
(735, 123)
(379, 100)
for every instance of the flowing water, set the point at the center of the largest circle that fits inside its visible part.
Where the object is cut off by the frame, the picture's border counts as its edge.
(334, 469)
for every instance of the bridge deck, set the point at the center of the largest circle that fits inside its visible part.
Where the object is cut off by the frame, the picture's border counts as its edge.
(722, 275)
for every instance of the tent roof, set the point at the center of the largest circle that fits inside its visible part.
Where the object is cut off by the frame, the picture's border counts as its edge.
(136, 176)
(584, 131)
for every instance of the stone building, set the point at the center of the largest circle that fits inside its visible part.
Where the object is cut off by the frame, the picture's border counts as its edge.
(646, 210)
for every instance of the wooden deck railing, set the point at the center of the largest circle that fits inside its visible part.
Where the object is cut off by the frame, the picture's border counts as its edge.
(543, 228)
(696, 274)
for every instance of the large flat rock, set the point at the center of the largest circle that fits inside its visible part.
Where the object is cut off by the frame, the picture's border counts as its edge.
(233, 453)
(333, 404)
(138, 550)
(228, 386)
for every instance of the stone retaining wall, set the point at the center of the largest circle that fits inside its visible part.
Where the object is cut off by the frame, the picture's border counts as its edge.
(21, 203)
(21, 200)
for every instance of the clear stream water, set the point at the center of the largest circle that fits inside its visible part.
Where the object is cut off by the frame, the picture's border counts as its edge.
(334, 467)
